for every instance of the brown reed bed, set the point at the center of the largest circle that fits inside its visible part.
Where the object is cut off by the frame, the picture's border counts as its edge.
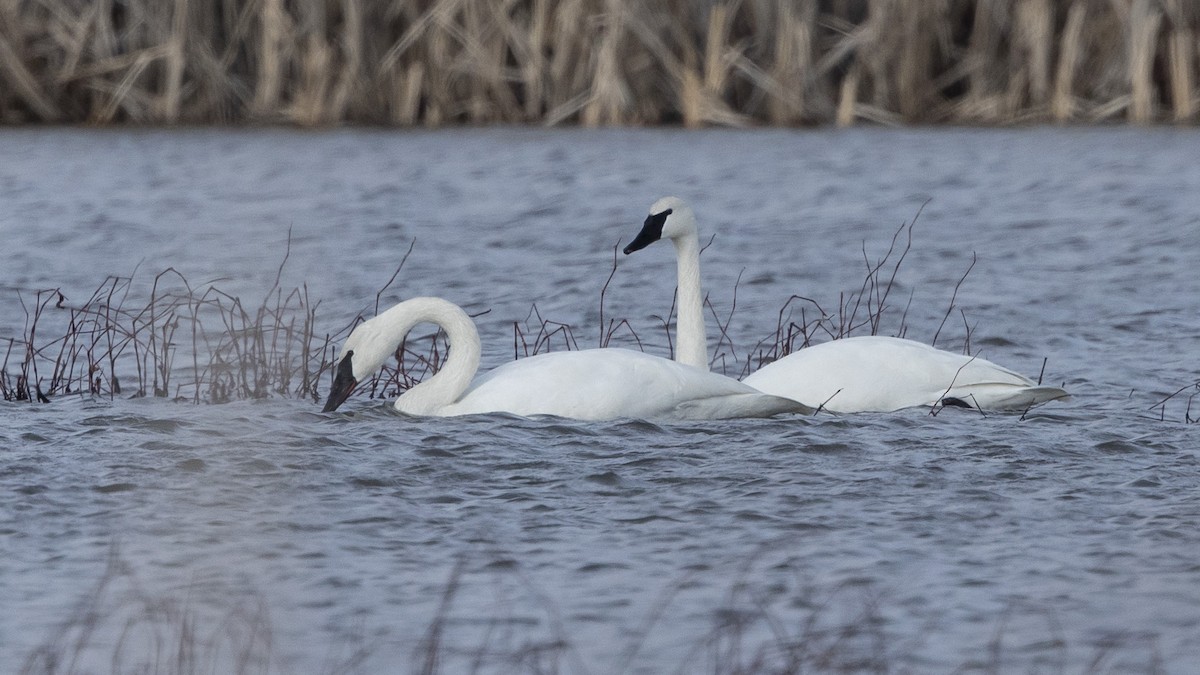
(108, 346)
(599, 62)
(198, 344)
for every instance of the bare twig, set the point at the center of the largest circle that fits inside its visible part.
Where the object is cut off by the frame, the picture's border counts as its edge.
(953, 297)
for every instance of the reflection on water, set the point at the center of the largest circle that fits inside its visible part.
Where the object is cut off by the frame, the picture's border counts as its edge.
(649, 547)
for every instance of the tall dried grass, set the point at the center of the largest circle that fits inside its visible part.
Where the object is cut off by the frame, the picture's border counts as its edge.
(198, 344)
(598, 62)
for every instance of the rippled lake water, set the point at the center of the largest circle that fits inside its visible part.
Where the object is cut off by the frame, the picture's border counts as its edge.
(362, 541)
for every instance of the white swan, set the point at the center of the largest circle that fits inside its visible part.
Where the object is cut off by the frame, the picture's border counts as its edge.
(592, 384)
(855, 374)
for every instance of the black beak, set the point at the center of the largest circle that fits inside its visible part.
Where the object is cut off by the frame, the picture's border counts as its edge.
(651, 232)
(343, 384)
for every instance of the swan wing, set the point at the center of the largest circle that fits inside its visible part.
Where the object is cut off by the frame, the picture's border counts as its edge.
(882, 374)
(600, 384)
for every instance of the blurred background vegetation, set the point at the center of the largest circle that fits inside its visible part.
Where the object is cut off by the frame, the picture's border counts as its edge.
(598, 62)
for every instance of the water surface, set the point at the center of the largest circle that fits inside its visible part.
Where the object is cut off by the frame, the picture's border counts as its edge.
(926, 543)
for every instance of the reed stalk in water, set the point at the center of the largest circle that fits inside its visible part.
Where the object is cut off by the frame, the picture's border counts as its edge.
(1191, 391)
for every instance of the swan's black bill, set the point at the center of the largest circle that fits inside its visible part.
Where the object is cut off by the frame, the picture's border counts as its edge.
(343, 384)
(651, 232)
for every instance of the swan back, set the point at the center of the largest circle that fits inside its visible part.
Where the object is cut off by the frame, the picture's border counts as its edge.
(601, 384)
(883, 374)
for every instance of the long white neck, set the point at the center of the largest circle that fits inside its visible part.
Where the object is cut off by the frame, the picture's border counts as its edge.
(448, 384)
(691, 342)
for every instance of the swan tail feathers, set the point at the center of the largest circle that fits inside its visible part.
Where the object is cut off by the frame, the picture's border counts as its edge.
(1020, 398)
(741, 405)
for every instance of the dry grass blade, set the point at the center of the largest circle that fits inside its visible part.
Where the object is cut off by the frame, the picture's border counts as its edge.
(953, 297)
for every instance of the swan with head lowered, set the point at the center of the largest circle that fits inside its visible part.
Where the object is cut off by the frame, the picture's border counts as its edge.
(590, 384)
(854, 374)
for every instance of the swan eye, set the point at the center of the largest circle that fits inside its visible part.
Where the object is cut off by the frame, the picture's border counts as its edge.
(346, 366)
(654, 224)
(657, 220)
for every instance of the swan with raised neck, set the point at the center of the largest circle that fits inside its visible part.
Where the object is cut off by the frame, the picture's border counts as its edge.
(855, 374)
(671, 218)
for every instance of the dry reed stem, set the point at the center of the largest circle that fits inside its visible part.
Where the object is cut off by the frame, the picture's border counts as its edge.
(1181, 57)
(847, 111)
(273, 28)
(1062, 104)
(791, 63)
(1035, 27)
(1144, 22)
(1161, 405)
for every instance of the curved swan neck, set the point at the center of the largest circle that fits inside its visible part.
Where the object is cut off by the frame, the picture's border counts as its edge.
(691, 346)
(460, 366)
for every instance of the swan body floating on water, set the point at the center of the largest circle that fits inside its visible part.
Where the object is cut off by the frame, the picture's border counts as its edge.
(855, 374)
(590, 384)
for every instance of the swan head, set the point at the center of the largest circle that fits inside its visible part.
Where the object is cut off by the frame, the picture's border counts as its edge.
(670, 218)
(363, 353)
(344, 383)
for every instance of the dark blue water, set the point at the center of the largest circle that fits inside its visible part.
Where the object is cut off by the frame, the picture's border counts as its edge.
(365, 542)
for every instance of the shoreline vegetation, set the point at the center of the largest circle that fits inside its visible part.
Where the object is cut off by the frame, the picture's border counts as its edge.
(696, 63)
